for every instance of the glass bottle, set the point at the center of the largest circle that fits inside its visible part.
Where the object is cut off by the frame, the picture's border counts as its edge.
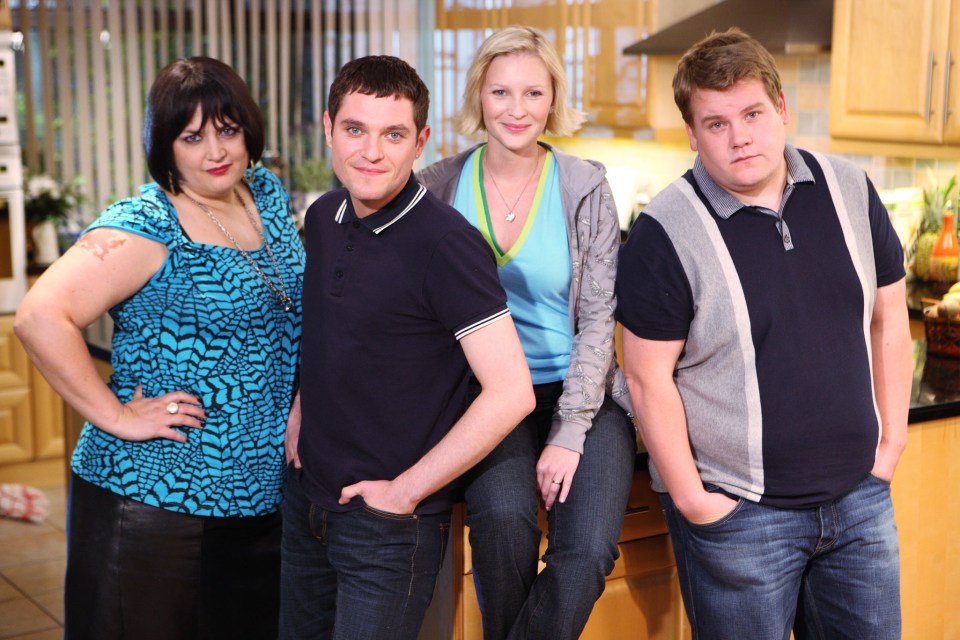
(943, 256)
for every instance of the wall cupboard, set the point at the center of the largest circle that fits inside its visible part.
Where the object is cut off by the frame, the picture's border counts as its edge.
(589, 36)
(894, 74)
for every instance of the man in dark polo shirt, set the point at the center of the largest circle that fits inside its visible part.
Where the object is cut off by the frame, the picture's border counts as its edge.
(768, 356)
(401, 303)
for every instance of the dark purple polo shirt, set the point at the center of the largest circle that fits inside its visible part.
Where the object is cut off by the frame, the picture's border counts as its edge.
(386, 300)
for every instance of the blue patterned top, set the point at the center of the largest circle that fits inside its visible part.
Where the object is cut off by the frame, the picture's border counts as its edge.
(206, 324)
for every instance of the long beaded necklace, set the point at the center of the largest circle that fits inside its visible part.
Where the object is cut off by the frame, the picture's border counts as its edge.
(285, 301)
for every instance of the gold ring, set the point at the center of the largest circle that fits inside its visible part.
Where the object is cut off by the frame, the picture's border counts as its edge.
(556, 482)
(173, 407)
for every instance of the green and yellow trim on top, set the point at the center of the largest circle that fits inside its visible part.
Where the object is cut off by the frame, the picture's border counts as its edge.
(483, 221)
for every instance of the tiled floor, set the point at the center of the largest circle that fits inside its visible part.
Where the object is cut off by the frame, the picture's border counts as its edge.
(32, 561)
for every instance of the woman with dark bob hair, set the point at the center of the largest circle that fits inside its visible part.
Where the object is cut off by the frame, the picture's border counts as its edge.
(174, 524)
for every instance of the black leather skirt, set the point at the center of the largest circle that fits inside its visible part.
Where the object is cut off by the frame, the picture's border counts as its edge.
(144, 573)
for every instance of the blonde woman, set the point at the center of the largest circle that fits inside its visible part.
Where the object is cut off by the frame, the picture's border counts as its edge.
(550, 219)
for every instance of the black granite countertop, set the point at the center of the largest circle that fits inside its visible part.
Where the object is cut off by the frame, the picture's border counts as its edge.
(936, 385)
(936, 378)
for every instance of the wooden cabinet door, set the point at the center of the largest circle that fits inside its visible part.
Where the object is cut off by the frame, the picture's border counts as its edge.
(887, 70)
(926, 505)
(950, 111)
(614, 87)
(16, 419)
(589, 36)
(545, 15)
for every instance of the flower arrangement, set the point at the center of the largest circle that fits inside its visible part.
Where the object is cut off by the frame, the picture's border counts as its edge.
(44, 199)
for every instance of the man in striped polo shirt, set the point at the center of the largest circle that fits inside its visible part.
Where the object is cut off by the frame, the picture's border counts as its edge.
(768, 355)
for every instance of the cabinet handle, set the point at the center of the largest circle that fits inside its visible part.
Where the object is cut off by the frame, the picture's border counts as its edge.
(929, 87)
(946, 88)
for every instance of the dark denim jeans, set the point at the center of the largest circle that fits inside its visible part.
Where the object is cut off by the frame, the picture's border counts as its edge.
(502, 502)
(831, 572)
(362, 574)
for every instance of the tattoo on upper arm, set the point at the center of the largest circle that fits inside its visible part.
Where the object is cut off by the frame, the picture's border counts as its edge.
(99, 244)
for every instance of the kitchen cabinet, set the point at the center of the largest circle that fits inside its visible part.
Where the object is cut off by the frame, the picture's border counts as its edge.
(31, 414)
(927, 507)
(894, 73)
(642, 597)
(16, 410)
(589, 35)
(614, 86)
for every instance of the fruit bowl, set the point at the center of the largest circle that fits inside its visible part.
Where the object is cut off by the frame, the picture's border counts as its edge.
(941, 324)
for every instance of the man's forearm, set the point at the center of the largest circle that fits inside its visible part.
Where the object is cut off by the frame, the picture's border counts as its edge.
(662, 421)
(662, 424)
(487, 421)
(892, 350)
(893, 369)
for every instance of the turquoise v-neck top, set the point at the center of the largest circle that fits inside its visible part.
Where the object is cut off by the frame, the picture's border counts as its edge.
(535, 271)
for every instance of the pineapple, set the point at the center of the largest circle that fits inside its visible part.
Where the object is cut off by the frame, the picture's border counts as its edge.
(921, 260)
(935, 200)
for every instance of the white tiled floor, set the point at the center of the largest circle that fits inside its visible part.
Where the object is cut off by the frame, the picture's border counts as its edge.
(32, 561)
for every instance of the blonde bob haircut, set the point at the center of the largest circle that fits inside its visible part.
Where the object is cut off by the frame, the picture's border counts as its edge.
(563, 119)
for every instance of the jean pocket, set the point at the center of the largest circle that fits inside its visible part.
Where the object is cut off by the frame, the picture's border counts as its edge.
(386, 515)
(878, 479)
(714, 524)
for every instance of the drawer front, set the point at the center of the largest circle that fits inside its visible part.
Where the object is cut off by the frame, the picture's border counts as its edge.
(643, 517)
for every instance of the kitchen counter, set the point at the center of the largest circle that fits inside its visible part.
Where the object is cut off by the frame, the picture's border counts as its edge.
(936, 386)
(642, 593)
(935, 393)
(936, 379)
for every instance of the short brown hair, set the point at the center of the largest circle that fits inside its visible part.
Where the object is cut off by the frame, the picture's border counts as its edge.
(381, 76)
(563, 119)
(181, 87)
(718, 62)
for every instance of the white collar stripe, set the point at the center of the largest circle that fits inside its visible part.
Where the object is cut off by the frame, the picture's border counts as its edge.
(339, 215)
(413, 201)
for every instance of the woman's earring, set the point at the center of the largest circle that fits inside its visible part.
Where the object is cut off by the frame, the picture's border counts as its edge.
(173, 184)
(248, 174)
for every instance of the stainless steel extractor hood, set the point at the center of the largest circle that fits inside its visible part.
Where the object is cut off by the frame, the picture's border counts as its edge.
(792, 27)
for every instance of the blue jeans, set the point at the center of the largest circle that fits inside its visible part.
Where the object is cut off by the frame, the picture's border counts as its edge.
(502, 503)
(362, 574)
(829, 572)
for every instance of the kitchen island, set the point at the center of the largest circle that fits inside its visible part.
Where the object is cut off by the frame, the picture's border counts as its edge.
(926, 498)
(642, 598)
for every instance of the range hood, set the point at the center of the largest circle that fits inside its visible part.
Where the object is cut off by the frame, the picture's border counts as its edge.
(791, 27)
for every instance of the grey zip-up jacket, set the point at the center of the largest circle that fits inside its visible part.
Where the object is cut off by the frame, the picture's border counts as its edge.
(593, 232)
